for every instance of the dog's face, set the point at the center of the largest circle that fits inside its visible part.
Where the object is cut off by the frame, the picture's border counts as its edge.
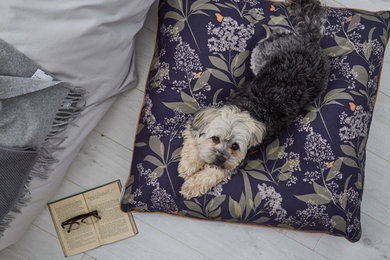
(224, 135)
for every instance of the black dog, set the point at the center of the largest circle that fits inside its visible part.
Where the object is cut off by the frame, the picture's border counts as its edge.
(290, 69)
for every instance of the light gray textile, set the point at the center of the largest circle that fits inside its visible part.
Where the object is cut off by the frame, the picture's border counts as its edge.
(27, 105)
(34, 108)
(22, 65)
(88, 44)
(26, 120)
(14, 163)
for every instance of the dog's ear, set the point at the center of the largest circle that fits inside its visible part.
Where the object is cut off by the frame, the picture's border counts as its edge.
(202, 118)
(255, 60)
(258, 131)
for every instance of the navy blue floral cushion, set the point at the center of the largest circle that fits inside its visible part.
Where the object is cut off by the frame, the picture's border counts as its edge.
(311, 177)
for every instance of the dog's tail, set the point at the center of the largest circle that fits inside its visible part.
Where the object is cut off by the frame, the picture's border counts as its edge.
(310, 17)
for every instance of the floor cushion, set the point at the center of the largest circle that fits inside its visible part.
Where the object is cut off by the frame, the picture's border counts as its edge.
(311, 177)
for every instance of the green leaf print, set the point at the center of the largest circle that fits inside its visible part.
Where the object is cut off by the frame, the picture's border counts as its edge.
(193, 206)
(339, 223)
(335, 169)
(218, 63)
(234, 208)
(355, 21)
(313, 199)
(360, 74)
(188, 106)
(156, 145)
(220, 75)
(273, 150)
(202, 80)
(344, 47)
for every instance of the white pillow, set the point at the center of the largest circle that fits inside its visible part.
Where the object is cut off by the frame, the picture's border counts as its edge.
(88, 43)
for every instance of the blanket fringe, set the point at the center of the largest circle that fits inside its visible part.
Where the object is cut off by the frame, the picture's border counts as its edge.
(72, 106)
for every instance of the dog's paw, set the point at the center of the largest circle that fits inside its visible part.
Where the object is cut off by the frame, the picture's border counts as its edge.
(190, 190)
(186, 169)
(182, 170)
(187, 194)
(201, 182)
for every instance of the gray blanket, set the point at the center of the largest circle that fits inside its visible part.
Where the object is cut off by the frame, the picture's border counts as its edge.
(34, 109)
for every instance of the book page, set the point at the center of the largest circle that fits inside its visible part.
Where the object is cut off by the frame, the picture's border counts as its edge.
(115, 224)
(76, 241)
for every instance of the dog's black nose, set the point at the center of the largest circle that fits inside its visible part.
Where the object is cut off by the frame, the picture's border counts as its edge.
(219, 160)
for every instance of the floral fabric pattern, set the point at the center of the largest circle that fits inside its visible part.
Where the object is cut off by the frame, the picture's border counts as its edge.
(311, 177)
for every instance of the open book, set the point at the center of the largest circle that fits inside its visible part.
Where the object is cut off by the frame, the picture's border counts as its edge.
(92, 232)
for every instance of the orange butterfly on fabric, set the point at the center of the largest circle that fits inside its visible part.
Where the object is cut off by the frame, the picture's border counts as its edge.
(219, 17)
(273, 9)
(198, 74)
(352, 106)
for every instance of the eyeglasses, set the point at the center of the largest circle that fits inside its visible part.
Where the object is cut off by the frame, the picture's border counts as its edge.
(74, 223)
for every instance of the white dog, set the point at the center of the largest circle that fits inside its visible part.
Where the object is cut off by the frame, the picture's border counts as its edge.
(215, 143)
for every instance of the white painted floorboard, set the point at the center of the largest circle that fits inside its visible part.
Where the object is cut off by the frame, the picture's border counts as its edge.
(106, 156)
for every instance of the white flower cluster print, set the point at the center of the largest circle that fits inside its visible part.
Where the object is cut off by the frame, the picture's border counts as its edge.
(316, 147)
(160, 199)
(355, 125)
(273, 201)
(229, 35)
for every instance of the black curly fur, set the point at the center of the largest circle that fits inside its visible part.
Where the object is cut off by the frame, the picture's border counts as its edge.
(291, 71)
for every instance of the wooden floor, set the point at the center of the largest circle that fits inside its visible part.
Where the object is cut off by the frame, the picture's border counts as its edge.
(106, 157)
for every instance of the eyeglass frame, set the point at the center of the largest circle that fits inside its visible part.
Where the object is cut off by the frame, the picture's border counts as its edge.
(80, 217)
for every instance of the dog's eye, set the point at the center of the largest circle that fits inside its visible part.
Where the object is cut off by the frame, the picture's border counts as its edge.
(215, 139)
(235, 147)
